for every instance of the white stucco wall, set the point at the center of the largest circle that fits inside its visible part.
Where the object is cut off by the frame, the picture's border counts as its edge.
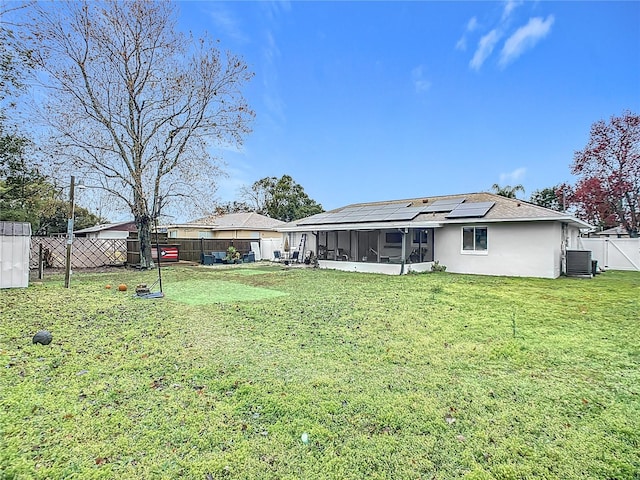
(384, 268)
(524, 249)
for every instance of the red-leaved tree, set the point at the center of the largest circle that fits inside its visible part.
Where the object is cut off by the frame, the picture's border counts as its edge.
(608, 190)
(589, 199)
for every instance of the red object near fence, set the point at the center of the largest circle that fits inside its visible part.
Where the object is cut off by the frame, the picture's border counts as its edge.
(168, 253)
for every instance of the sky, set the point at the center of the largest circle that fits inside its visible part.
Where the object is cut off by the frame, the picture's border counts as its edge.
(368, 101)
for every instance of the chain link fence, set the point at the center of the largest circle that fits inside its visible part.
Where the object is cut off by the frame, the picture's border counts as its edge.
(100, 252)
(86, 252)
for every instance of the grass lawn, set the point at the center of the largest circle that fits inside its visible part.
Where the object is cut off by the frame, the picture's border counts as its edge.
(264, 373)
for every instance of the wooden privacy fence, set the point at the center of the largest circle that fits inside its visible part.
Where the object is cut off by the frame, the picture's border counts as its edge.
(86, 252)
(190, 249)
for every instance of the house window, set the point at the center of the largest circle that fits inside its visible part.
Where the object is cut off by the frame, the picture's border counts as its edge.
(393, 237)
(173, 234)
(420, 236)
(474, 239)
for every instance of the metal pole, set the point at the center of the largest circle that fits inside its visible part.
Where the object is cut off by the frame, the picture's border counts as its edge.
(156, 214)
(67, 270)
(40, 262)
(159, 254)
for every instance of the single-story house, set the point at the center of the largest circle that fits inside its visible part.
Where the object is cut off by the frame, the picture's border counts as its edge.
(476, 233)
(618, 232)
(108, 230)
(247, 226)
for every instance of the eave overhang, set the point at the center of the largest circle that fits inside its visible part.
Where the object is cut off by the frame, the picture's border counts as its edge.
(330, 227)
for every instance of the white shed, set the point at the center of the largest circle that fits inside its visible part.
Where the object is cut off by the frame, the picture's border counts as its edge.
(15, 240)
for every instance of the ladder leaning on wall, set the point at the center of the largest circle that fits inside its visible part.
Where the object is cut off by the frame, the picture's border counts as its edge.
(301, 247)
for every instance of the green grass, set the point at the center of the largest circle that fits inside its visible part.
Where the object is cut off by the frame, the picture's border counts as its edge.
(423, 376)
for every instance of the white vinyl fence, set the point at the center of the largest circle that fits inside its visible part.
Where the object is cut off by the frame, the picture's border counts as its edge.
(614, 253)
(268, 246)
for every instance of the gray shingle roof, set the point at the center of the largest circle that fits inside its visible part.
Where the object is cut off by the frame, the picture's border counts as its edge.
(106, 226)
(504, 209)
(247, 221)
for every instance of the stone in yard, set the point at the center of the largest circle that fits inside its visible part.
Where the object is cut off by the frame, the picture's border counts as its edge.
(43, 337)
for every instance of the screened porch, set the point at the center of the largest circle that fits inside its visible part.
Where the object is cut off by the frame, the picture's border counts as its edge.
(392, 246)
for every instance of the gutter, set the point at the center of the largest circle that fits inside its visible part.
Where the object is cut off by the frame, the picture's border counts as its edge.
(330, 227)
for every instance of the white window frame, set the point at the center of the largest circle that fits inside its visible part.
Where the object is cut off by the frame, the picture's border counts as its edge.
(474, 251)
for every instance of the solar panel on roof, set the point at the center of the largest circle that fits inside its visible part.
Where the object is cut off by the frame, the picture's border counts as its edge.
(374, 217)
(352, 209)
(443, 205)
(404, 214)
(470, 210)
(318, 218)
(365, 213)
(393, 206)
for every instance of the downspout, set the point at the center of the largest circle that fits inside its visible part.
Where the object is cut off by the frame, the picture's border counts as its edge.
(563, 249)
(404, 249)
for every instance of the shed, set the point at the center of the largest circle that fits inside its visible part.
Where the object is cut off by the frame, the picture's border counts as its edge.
(15, 240)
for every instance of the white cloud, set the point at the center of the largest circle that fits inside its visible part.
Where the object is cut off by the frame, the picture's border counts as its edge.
(525, 38)
(274, 10)
(472, 24)
(271, 96)
(513, 177)
(461, 44)
(485, 47)
(270, 50)
(509, 7)
(227, 23)
(420, 83)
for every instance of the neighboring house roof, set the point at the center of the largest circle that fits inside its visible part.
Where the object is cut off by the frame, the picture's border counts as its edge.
(120, 227)
(613, 232)
(233, 221)
(428, 212)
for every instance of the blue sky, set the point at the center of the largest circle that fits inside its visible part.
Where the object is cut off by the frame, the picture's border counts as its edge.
(366, 101)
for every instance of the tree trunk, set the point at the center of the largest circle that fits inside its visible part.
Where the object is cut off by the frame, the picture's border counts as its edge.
(143, 224)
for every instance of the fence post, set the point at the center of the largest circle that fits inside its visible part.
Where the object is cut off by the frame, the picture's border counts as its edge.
(40, 262)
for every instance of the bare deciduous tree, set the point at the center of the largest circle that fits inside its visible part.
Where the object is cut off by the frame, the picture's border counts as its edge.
(135, 105)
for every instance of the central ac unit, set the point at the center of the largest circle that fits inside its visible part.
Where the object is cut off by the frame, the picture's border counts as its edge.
(579, 263)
